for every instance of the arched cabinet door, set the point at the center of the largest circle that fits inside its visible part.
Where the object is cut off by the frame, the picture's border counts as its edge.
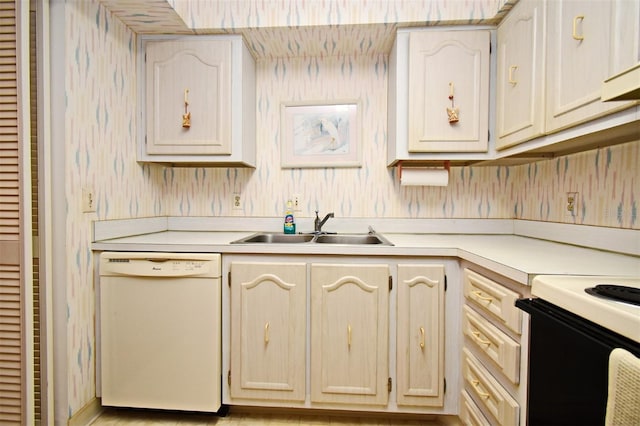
(349, 333)
(197, 94)
(449, 91)
(268, 331)
(420, 335)
(188, 92)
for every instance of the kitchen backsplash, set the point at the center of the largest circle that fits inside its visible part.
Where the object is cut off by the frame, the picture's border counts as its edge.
(100, 147)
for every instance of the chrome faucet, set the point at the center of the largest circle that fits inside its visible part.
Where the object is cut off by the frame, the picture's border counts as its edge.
(317, 223)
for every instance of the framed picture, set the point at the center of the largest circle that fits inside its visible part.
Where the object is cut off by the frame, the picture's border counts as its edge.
(320, 135)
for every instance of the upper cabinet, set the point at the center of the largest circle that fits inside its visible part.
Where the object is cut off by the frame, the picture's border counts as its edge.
(438, 99)
(551, 66)
(520, 74)
(199, 91)
(588, 41)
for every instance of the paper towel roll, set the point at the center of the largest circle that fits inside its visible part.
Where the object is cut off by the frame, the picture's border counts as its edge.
(424, 176)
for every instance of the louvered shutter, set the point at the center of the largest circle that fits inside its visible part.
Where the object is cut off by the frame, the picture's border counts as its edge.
(11, 293)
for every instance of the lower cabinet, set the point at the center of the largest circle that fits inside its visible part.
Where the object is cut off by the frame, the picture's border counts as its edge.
(494, 337)
(317, 334)
(268, 331)
(420, 335)
(349, 333)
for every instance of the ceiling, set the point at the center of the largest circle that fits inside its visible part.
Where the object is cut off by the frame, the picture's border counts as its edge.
(328, 28)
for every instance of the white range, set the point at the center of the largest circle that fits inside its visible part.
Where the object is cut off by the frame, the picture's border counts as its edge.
(568, 292)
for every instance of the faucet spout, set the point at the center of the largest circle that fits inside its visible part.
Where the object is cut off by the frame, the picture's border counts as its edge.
(317, 223)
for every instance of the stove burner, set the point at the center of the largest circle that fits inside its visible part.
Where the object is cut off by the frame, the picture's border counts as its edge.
(616, 292)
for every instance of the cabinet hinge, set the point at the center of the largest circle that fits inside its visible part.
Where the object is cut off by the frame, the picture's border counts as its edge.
(229, 279)
(445, 283)
(389, 385)
(229, 378)
(390, 282)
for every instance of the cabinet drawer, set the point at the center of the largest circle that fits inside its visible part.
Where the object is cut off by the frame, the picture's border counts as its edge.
(488, 392)
(502, 349)
(493, 298)
(470, 414)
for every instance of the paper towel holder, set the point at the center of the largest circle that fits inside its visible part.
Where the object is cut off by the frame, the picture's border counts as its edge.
(446, 166)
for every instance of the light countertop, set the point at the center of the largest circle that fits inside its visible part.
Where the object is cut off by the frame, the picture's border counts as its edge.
(517, 257)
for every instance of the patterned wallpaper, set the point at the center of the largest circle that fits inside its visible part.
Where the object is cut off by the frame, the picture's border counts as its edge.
(100, 98)
(100, 150)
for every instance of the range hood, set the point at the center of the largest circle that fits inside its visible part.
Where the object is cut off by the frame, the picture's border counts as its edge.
(624, 86)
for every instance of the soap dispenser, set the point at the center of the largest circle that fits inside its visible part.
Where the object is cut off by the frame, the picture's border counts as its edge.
(289, 221)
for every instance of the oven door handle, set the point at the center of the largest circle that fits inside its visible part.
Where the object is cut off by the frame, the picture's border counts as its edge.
(595, 332)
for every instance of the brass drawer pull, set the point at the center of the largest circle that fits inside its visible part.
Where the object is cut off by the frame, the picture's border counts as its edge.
(349, 336)
(479, 339)
(476, 385)
(266, 333)
(481, 296)
(421, 337)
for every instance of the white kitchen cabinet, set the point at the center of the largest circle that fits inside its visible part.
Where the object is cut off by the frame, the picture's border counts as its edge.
(448, 71)
(349, 333)
(330, 332)
(268, 331)
(493, 298)
(588, 41)
(495, 344)
(420, 335)
(521, 74)
(489, 392)
(426, 68)
(198, 96)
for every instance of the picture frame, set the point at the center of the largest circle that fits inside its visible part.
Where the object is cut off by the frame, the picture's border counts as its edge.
(321, 134)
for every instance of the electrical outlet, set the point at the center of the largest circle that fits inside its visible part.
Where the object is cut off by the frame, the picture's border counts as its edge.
(237, 201)
(297, 200)
(88, 201)
(572, 204)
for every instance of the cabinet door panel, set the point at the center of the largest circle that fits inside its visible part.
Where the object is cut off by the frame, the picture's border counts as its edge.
(268, 324)
(193, 72)
(349, 333)
(420, 339)
(520, 80)
(444, 63)
(580, 58)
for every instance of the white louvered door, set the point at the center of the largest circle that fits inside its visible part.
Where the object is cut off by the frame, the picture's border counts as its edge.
(14, 223)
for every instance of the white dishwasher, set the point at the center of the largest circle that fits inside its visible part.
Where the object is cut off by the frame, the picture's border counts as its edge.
(160, 332)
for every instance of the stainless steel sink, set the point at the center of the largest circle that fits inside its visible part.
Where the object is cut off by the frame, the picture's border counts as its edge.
(356, 239)
(345, 239)
(268, 238)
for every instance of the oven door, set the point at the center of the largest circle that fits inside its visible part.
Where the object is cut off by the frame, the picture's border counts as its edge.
(568, 366)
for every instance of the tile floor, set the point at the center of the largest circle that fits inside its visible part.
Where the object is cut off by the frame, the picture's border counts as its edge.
(123, 417)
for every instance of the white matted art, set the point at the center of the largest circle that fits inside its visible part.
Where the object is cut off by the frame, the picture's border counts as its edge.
(321, 134)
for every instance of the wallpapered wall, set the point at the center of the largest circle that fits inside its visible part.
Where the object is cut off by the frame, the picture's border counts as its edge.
(100, 86)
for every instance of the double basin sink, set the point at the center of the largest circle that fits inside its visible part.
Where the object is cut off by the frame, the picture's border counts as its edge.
(315, 238)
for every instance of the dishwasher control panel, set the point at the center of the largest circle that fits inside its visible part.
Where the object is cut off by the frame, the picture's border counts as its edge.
(160, 264)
